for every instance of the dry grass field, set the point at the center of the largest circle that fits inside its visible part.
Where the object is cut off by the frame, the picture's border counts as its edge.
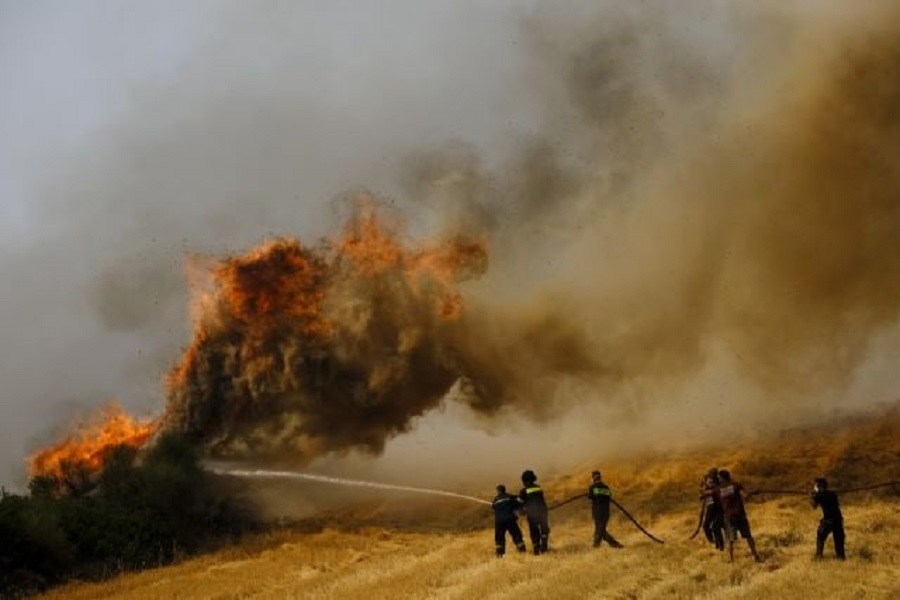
(386, 551)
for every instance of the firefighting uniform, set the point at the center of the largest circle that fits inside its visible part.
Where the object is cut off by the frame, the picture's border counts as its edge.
(600, 495)
(532, 497)
(505, 520)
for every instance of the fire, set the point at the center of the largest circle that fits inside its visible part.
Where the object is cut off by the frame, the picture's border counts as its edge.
(282, 284)
(278, 279)
(373, 249)
(301, 349)
(89, 446)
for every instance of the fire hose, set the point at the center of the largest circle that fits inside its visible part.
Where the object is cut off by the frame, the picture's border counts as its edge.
(861, 488)
(796, 493)
(617, 505)
(700, 519)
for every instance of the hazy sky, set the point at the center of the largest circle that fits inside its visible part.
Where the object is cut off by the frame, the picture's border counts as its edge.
(133, 134)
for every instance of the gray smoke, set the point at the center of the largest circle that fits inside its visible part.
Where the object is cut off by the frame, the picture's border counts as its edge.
(661, 184)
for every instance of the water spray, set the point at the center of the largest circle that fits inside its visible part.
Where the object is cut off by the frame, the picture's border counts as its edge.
(266, 474)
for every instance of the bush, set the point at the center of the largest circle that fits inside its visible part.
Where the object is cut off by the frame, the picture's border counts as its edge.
(142, 511)
(34, 550)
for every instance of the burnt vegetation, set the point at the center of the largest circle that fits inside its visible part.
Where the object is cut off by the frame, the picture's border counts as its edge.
(140, 511)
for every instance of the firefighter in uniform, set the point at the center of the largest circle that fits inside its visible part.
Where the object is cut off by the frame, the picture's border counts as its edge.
(532, 497)
(505, 519)
(599, 494)
(832, 522)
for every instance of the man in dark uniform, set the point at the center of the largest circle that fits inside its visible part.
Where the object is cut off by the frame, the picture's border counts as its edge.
(832, 522)
(532, 497)
(505, 519)
(599, 495)
(713, 519)
(731, 495)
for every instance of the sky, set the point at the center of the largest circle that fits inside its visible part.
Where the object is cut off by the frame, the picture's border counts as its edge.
(134, 135)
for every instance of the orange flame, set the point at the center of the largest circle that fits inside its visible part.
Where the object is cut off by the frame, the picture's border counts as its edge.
(283, 319)
(287, 333)
(90, 445)
(373, 249)
(277, 279)
(282, 280)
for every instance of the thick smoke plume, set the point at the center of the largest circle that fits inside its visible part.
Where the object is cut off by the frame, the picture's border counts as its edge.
(685, 197)
(779, 241)
(765, 226)
(304, 350)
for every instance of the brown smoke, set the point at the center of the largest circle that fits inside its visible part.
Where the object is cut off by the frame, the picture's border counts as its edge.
(812, 263)
(303, 350)
(676, 200)
(768, 226)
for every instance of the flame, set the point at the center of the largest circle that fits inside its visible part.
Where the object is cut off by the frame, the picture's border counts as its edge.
(295, 345)
(89, 446)
(277, 282)
(374, 249)
(278, 279)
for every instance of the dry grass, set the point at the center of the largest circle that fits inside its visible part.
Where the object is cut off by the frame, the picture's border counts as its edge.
(379, 562)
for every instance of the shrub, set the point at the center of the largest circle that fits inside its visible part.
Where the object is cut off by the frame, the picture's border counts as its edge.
(141, 511)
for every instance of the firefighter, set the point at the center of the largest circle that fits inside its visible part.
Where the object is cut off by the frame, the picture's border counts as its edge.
(532, 498)
(713, 519)
(731, 494)
(505, 519)
(599, 494)
(832, 522)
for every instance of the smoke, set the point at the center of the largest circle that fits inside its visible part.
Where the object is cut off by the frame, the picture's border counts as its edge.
(664, 191)
(767, 226)
(737, 207)
(302, 351)
(778, 240)
(218, 128)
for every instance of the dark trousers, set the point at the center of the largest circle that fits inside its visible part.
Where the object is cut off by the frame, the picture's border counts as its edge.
(713, 523)
(829, 527)
(601, 534)
(500, 529)
(539, 530)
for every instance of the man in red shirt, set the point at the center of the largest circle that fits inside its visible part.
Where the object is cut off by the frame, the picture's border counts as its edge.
(731, 494)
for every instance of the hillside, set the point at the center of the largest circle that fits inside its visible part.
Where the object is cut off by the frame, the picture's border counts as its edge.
(404, 547)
